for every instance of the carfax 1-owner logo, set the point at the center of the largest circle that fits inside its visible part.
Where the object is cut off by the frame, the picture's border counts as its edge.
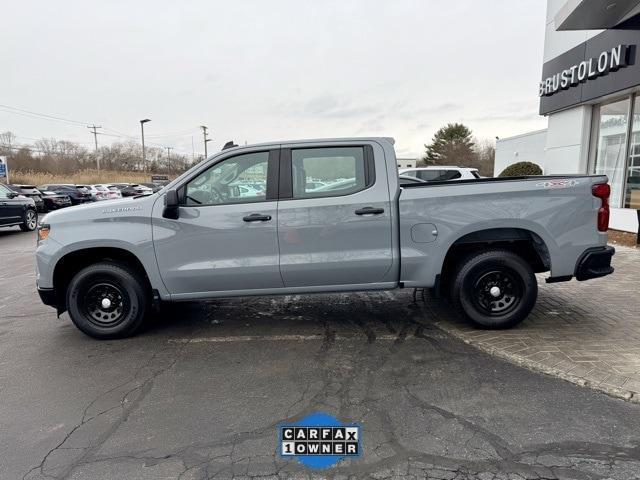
(319, 440)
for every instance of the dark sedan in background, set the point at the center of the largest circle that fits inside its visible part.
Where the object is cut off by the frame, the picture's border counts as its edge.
(55, 201)
(76, 194)
(30, 191)
(132, 189)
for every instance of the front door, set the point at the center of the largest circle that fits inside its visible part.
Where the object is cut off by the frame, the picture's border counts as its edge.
(334, 229)
(225, 239)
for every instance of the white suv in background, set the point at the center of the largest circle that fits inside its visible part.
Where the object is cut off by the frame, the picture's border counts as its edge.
(438, 173)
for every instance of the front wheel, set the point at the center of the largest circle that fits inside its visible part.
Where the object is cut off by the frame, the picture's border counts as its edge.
(107, 300)
(29, 221)
(494, 289)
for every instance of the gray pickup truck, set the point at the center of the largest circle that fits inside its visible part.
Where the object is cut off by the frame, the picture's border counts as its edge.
(321, 216)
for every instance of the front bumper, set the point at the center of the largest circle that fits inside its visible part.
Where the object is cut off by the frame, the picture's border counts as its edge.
(594, 263)
(48, 296)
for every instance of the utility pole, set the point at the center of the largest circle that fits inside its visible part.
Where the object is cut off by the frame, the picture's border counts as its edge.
(94, 127)
(169, 153)
(205, 134)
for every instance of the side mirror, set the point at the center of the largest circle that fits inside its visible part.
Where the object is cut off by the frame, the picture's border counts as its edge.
(171, 205)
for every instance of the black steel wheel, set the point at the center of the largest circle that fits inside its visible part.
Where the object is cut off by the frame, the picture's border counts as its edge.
(494, 289)
(30, 220)
(498, 292)
(107, 300)
(104, 304)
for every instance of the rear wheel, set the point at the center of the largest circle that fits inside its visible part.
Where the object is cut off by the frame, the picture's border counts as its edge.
(107, 300)
(494, 289)
(29, 221)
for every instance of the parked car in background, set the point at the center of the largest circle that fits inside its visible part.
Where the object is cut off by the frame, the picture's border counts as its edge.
(112, 191)
(153, 186)
(135, 189)
(97, 192)
(17, 209)
(77, 194)
(54, 201)
(31, 192)
(439, 173)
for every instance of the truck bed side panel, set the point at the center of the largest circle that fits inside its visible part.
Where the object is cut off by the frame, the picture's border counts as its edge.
(433, 217)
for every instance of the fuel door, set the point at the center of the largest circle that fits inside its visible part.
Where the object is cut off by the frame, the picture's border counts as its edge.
(424, 233)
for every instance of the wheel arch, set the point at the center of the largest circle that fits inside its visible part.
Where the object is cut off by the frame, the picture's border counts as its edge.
(521, 241)
(72, 262)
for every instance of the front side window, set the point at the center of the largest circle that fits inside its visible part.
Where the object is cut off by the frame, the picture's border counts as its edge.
(327, 172)
(240, 179)
(611, 147)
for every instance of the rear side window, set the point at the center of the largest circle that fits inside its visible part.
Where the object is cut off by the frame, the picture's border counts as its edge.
(438, 175)
(328, 172)
(4, 192)
(450, 175)
(429, 175)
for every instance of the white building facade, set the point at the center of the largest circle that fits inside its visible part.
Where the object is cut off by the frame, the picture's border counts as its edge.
(406, 162)
(590, 93)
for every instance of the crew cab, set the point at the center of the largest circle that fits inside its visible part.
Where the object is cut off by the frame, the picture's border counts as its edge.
(478, 242)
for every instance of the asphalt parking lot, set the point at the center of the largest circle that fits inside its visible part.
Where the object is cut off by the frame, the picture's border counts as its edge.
(200, 393)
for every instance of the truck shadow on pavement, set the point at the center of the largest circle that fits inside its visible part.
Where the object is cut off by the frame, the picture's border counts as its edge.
(200, 393)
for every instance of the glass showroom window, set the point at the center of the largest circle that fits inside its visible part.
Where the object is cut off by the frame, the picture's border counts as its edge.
(611, 158)
(632, 190)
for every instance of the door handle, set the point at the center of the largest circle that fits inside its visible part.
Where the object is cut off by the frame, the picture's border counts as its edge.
(369, 211)
(257, 217)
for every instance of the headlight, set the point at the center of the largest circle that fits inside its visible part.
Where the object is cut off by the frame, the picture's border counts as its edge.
(43, 231)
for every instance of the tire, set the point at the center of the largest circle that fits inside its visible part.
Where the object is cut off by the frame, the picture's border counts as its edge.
(107, 300)
(495, 289)
(29, 221)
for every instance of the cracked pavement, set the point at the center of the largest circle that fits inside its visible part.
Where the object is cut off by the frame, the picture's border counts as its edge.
(199, 394)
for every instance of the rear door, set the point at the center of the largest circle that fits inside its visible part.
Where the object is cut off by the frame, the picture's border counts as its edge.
(340, 232)
(10, 207)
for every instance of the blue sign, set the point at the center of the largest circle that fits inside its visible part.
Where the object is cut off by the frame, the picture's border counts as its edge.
(3, 169)
(319, 440)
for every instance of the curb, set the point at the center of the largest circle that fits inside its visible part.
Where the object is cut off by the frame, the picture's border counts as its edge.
(619, 393)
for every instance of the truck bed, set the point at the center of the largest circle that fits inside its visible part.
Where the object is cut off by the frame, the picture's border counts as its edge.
(559, 210)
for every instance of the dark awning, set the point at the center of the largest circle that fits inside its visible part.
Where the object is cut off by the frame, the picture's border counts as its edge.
(596, 14)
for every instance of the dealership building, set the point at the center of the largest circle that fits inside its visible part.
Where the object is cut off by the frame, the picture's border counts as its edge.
(590, 94)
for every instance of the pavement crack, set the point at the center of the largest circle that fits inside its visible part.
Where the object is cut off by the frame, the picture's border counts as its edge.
(500, 446)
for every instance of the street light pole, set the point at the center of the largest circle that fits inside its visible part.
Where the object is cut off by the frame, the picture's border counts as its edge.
(142, 122)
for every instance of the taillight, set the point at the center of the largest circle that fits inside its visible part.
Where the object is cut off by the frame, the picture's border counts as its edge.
(602, 191)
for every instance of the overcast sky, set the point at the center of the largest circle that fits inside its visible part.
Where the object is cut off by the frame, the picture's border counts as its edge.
(267, 70)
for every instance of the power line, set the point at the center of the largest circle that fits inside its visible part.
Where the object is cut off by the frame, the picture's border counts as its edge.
(57, 118)
(19, 111)
(46, 116)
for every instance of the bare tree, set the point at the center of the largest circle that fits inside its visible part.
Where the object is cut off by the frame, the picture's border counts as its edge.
(7, 142)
